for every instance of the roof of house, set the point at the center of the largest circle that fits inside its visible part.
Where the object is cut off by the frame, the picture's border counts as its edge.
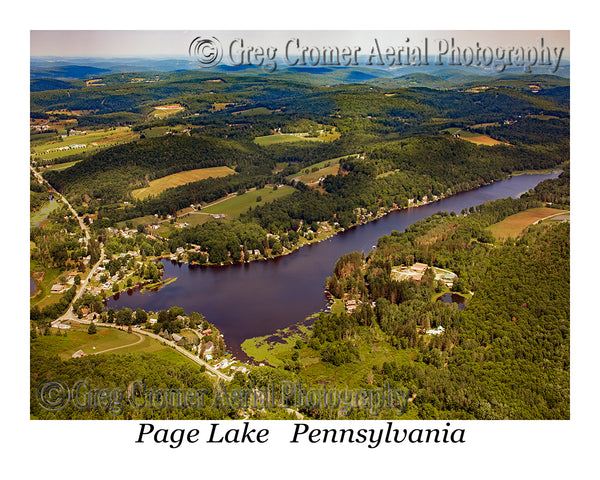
(419, 266)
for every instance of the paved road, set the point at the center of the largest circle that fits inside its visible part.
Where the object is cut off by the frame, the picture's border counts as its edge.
(70, 314)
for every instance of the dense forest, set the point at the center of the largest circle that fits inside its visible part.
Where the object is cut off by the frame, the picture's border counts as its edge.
(506, 355)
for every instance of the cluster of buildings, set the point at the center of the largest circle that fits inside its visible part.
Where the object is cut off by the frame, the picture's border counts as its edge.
(73, 146)
(62, 287)
(415, 272)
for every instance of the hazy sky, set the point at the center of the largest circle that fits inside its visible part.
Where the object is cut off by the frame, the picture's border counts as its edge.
(112, 43)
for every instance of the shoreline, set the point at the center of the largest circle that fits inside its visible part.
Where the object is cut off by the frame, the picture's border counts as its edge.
(375, 217)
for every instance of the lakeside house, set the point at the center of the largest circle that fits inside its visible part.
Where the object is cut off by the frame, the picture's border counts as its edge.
(209, 348)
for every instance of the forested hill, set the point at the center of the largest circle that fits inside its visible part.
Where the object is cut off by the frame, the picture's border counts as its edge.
(112, 173)
(506, 355)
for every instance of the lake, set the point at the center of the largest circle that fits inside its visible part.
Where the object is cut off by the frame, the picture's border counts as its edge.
(253, 299)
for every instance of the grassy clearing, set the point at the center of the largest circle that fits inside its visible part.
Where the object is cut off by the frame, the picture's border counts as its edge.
(253, 111)
(92, 139)
(338, 306)
(60, 166)
(473, 137)
(314, 172)
(194, 219)
(37, 217)
(282, 138)
(295, 137)
(513, 226)
(544, 117)
(163, 111)
(483, 140)
(181, 178)
(77, 338)
(146, 220)
(153, 132)
(233, 207)
(218, 106)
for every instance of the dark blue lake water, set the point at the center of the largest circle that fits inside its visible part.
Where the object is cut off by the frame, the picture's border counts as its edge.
(252, 299)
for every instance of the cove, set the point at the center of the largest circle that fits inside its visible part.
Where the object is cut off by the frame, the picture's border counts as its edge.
(253, 299)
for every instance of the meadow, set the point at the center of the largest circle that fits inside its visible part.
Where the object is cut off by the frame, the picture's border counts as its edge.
(180, 178)
(233, 207)
(295, 137)
(106, 338)
(515, 224)
(312, 174)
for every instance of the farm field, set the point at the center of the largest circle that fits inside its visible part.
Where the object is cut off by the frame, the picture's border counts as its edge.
(233, 207)
(253, 111)
(92, 139)
(194, 219)
(312, 174)
(146, 220)
(181, 178)
(513, 226)
(153, 132)
(60, 166)
(473, 137)
(483, 140)
(295, 137)
(163, 111)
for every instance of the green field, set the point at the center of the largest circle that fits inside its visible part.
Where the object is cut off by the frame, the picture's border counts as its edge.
(194, 219)
(515, 224)
(473, 137)
(93, 140)
(60, 166)
(78, 339)
(233, 207)
(37, 217)
(314, 172)
(298, 137)
(181, 178)
(146, 220)
(281, 138)
(253, 111)
(163, 111)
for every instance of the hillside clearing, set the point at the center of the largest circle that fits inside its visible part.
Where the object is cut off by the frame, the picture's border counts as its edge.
(515, 224)
(181, 178)
(234, 206)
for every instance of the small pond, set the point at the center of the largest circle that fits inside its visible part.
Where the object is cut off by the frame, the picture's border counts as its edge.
(453, 298)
